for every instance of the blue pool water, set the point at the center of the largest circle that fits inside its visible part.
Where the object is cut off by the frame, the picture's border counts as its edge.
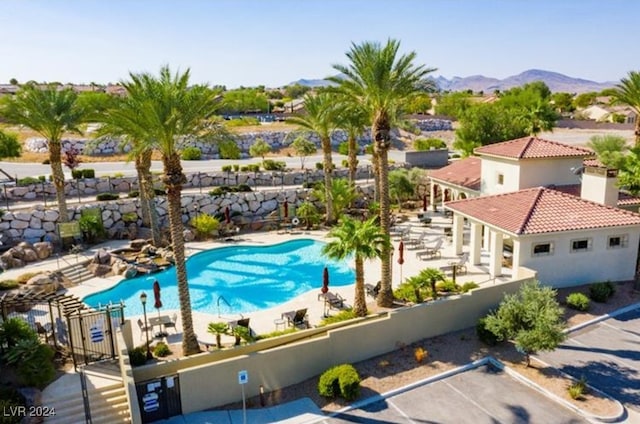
(249, 278)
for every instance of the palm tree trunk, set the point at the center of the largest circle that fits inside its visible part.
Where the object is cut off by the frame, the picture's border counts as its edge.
(328, 168)
(359, 302)
(375, 164)
(55, 158)
(173, 180)
(637, 130)
(147, 201)
(353, 160)
(382, 140)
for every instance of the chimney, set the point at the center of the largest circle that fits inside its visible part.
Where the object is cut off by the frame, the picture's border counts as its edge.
(600, 185)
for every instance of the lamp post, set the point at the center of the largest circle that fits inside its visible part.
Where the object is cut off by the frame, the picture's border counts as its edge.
(143, 300)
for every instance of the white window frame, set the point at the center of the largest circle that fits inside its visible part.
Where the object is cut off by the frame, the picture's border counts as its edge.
(549, 253)
(624, 241)
(589, 247)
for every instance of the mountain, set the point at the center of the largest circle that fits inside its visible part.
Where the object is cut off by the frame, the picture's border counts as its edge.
(555, 81)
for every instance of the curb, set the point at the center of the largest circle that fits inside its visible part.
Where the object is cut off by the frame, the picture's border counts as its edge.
(602, 318)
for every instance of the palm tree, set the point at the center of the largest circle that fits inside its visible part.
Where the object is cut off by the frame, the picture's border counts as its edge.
(353, 119)
(381, 82)
(628, 92)
(320, 117)
(218, 329)
(122, 120)
(169, 110)
(342, 195)
(363, 240)
(51, 113)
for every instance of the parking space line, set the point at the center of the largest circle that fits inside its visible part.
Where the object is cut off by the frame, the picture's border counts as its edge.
(611, 355)
(473, 402)
(400, 411)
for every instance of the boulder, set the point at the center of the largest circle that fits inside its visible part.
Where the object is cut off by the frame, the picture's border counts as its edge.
(48, 282)
(130, 272)
(119, 267)
(102, 257)
(99, 270)
(43, 249)
(188, 235)
(16, 252)
(30, 255)
(137, 244)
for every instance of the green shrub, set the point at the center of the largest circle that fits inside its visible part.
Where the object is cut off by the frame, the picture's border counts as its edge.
(244, 168)
(10, 399)
(205, 224)
(345, 315)
(42, 178)
(92, 227)
(319, 166)
(23, 278)
(76, 174)
(46, 162)
(107, 196)
(9, 284)
(578, 389)
(341, 380)
(485, 335)
(447, 286)
(217, 191)
(578, 301)
(226, 168)
(236, 167)
(407, 293)
(601, 292)
(130, 217)
(14, 330)
(343, 148)
(28, 181)
(253, 167)
(33, 361)
(273, 165)
(134, 193)
(138, 356)
(228, 149)
(345, 163)
(309, 184)
(276, 333)
(160, 191)
(161, 350)
(243, 188)
(191, 153)
(468, 286)
(242, 122)
(428, 143)
(368, 149)
(89, 173)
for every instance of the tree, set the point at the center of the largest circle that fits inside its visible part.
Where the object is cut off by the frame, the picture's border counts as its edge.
(363, 240)
(51, 113)
(563, 102)
(321, 118)
(628, 92)
(400, 187)
(303, 148)
(13, 81)
(583, 100)
(453, 104)
(342, 194)
(382, 82)
(10, 147)
(218, 329)
(538, 117)
(353, 119)
(532, 318)
(426, 278)
(629, 175)
(172, 109)
(610, 149)
(259, 148)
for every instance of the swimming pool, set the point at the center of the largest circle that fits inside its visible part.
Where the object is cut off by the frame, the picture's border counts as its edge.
(235, 279)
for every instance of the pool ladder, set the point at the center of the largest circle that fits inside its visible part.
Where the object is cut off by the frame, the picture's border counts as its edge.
(225, 301)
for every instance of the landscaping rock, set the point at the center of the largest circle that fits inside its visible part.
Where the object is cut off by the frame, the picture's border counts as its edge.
(99, 270)
(43, 249)
(48, 282)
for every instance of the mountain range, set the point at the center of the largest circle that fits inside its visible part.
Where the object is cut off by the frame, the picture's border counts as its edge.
(555, 81)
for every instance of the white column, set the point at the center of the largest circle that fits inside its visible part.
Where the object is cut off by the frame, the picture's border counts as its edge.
(495, 257)
(515, 262)
(485, 238)
(476, 243)
(458, 228)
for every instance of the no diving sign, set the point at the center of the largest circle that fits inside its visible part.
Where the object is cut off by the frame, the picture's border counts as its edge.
(243, 377)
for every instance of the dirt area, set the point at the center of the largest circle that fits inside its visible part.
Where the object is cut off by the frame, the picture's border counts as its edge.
(400, 367)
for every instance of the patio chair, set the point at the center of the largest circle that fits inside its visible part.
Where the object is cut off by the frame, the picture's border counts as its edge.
(415, 242)
(460, 265)
(297, 318)
(372, 290)
(172, 323)
(334, 300)
(430, 252)
(242, 322)
(143, 328)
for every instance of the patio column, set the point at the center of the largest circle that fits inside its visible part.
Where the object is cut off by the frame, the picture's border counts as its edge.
(476, 242)
(432, 196)
(458, 232)
(495, 257)
(515, 261)
(485, 238)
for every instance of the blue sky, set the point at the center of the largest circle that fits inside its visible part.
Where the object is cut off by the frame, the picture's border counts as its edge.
(252, 42)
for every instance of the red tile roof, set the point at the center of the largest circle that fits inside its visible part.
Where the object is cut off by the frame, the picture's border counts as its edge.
(464, 172)
(532, 148)
(624, 199)
(542, 210)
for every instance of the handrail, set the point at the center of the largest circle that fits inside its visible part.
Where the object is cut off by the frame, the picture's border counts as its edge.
(85, 396)
(218, 303)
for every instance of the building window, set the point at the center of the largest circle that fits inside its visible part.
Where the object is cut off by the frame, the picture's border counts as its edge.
(581, 245)
(618, 241)
(542, 249)
(501, 179)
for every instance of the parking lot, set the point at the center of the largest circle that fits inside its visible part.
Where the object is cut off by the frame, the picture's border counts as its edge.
(607, 354)
(482, 395)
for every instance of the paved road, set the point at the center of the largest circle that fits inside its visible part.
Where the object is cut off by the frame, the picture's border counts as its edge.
(483, 395)
(607, 355)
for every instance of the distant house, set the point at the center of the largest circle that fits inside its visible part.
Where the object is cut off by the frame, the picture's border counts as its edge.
(601, 113)
(542, 205)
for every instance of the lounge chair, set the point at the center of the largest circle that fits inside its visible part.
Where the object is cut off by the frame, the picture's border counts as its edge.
(334, 300)
(297, 318)
(372, 290)
(243, 322)
(430, 252)
(172, 323)
(415, 242)
(460, 265)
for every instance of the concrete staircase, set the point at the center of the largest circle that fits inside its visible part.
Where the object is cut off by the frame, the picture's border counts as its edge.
(77, 272)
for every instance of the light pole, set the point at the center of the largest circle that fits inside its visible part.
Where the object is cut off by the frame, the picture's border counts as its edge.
(143, 300)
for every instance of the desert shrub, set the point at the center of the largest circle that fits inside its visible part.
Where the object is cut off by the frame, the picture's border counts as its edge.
(217, 191)
(341, 380)
(345, 163)
(485, 335)
(76, 174)
(46, 162)
(243, 188)
(14, 330)
(578, 301)
(10, 399)
(23, 278)
(253, 167)
(242, 122)
(161, 350)
(228, 149)
(107, 196)
(319, 166)
(205, 225)
(236, 167)
(274, 165)
(159, 191)
(33, 361)
(134, 193)
(227, 168)
(447, 286)
(8, 284)
(42, 178)
(28, 181)
(92, 227)
(578, 389)
(368, 149)
(345, 315)
(343, 148)
(420, 354)
(138, 356)
(88, 173)
(276, 333)
(191, 153)
(406, 292)
(244, 168)
(602, 291)
(428, 143)
(130, 217)
(468, 286)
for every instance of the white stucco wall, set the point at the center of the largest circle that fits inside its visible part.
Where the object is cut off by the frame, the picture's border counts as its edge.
(491, 168)
(543, 172)
(565, 269)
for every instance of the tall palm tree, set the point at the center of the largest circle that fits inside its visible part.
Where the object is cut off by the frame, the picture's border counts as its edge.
(628, 92)
(170, 109)
(51, 113)
(321, 118)
(382, 82)
(363, 240)
(122, 120)
(353, 119)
